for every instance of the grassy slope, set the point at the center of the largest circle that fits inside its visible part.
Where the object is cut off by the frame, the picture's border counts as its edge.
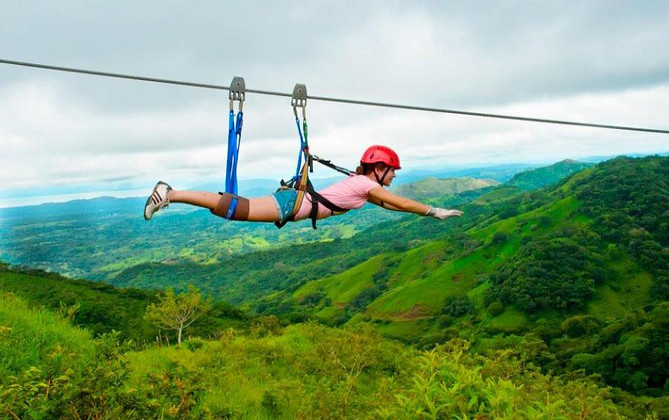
(100, 307)
(27, 336)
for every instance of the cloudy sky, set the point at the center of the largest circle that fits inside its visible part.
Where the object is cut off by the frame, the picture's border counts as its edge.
(593, 61)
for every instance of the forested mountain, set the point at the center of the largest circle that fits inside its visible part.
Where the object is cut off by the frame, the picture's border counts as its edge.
(583, 265)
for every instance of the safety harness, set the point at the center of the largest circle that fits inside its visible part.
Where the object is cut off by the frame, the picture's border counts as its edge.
(301, 181)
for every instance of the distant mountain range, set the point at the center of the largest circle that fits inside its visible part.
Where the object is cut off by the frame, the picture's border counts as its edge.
(63, 236)
(260, 187)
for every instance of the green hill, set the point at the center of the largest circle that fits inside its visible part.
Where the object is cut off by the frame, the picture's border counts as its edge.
(498, 313)
(549, 175)
(585, 255)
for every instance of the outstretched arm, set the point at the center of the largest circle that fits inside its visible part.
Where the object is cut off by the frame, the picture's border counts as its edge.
(386, 199)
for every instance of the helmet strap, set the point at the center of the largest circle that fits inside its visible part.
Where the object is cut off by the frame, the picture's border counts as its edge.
(383, 178)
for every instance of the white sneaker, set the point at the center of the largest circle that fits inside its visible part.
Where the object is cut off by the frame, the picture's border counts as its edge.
(157, 200)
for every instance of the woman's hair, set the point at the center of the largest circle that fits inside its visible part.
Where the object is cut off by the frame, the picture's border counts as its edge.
(368, 168)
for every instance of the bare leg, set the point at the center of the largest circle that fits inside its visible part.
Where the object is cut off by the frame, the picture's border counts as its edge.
(261, 209)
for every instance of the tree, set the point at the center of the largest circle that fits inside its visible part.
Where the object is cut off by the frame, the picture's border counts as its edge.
(176, 312)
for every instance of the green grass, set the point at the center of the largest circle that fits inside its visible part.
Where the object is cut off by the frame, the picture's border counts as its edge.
(477, 295)
(306, 371)
(343, 287)
(401, 330)
(415, 262)
(427, 295)
(28, 335)
(510, 320)
(498, 194)
(628, 293)
(329, 312)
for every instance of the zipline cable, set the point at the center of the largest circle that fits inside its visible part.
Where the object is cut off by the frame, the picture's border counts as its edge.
(336, 100)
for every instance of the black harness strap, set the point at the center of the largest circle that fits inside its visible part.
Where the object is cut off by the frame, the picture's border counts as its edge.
(317, 199)
(314, 197)
(331, 165)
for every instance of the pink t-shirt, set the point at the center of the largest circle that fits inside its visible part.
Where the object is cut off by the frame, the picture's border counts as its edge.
(349, 193)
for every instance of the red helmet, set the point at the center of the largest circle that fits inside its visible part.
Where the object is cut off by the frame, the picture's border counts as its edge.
(381, 154)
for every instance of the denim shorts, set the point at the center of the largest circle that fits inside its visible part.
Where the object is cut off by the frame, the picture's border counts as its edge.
(285, 202)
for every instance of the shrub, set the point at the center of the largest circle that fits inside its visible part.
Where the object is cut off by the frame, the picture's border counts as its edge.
(450, 382)
(459, 307)
(495, 309)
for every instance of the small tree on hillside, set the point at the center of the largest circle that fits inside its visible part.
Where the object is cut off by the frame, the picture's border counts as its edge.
(177, 311)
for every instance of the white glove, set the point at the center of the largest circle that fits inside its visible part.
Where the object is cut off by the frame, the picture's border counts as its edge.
(442, 214)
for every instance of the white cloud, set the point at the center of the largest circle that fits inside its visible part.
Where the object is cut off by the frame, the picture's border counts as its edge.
(595, 61)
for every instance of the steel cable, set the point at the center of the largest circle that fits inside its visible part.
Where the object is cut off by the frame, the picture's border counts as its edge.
(337, 100)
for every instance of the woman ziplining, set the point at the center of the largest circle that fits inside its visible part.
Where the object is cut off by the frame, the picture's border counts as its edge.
(377, 169)
(297, 199)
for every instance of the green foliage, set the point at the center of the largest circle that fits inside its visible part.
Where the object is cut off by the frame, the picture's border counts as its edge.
(495, 309)
(449, 382)
(302, 371)
(632, 353)
(580, 325)
(459, 307)
(266, 326)
(102, 308)
(49, 369)
(89, 386)
(500, 238)
(553, 273)
(629, 200)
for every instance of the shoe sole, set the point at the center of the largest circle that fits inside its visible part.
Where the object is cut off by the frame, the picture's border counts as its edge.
(148, 200)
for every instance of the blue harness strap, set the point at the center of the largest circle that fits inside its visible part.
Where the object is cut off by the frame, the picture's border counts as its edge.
(303, 147)
(234, 141)
(237, 93)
